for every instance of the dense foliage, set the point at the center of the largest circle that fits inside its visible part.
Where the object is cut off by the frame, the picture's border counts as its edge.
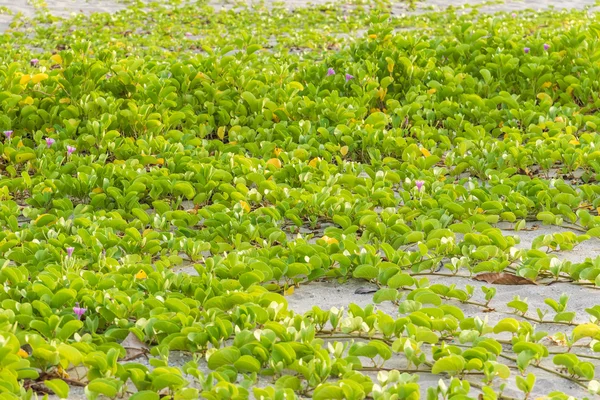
(170, 173)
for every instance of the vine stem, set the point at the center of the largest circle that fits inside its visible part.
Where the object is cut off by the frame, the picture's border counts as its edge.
(487, 307)
(551, 371)
(578, 355)
(480, 387)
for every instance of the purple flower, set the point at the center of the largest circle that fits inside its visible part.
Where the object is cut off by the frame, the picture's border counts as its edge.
(526, 50)
(330, 71)
(348, 77)
(419, 185)
(70, 150)
(70, 251)
(34, 62)
(79, 311)
(546, 46)
(49, 142)
(8, 134)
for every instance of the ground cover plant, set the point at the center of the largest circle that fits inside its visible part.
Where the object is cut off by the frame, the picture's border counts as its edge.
(175, 174)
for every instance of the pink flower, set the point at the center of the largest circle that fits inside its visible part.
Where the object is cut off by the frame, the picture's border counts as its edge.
(419, 185)
(8, 134)
(514, 15)
(34, 62)
(330, 72)
(70, 150)
(49, 142)
(188, 34)
(348, 77)
(79, 311)
(70, 251)
(546, 46)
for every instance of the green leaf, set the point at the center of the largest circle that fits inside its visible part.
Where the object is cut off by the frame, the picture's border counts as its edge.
(385, 295)
(567, 360)
(68, 329)
(24, 156)
(105, 386)
(328, 391)
(45, 220)
(587, 330)
(145, 395)
(62, 297)
(507, 325)
(546, 217)
(377, 119)
(367, 272)
(247, 363)
(452, 364)
(224, 356)
(59, 387)
(184, 189)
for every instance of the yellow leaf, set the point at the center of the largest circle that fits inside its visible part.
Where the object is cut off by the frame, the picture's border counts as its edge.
(233, 142)
(221, 132)
(546, 85)
(425, 152)
(64, 100)
(277, 151)
(25, 79)
(47, 190)
(313, 163)
(330, 240)
(20, 144)
(56, 59)
(97, 190)
(289, 291)
(141, 275)
(22, 353)
(245, 206)
(432, 91)
(588, 330)
(61, 372)
(574, 141)
(160, 161)
(37, 78)
(28, 100)
(296, 85)
(344, 150)
(275, 162)
(559, 119)
(372, 36)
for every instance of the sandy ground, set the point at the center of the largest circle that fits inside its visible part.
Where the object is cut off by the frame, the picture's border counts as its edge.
(327, 295)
